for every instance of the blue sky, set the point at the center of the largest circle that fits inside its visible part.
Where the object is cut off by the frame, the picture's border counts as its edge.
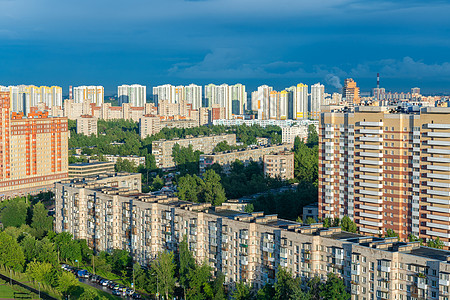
(279, 43)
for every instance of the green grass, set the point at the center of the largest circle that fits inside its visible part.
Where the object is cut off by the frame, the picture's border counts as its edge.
(9, 292)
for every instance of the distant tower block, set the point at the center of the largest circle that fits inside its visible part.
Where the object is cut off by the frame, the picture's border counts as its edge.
(70, 92)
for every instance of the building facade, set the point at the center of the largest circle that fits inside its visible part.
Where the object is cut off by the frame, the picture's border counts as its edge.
(94, 94)
(81, 170)
(87, 125)
(227, 158)
(387, 169)
(33, 151)
(279, 165)
(162, 149)
(134, 94)
(110, 213)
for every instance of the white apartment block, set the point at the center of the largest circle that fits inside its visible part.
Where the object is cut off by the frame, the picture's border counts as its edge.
(23, 97)
(134, 94)
(316, 100)
(94, 94)
(111, 213)
(149, 125)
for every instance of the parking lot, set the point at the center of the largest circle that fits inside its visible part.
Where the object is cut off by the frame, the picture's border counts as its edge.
(101, 283)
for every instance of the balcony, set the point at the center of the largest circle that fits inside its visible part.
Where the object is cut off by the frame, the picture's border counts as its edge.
(372, 193)
(371, 177)
(370, 162)
(370, 170)
(369, 207)
(438, 184)
(371, 200)
(436, 225)
(438, 159)
(371, 154)
(369, 124)
(370, 223)
(438, 201)
(437, 151)
(370, 147)
(436, 217)
(371, 216)
(369, 131)
(371, 185)
(438, 143)
(438, 168)
(371, 231)
(439, 193)
(439, 209)
(438, 176)
(438, 234)
(437, 126)
(370, 139)
(438, 134)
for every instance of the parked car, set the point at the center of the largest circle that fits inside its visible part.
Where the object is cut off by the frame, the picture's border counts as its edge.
(116, 293)
(136, 296)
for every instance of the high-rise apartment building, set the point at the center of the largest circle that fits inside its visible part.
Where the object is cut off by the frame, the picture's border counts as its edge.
(260, 101)
(193, 95)
(33, 150)
(134, 94)
(387, 170)
(23, 97)
(351, 92)
(164, 92)
(238, 99)
(300, 105)
(316, 100)
(94, 94)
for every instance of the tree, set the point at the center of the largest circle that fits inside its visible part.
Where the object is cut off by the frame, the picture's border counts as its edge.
(28, 244)
(213, 191)
(310, 220)
(164, 268)
(437, 243)
(313, 137)
(14, 213)
(266, 293)
(348, 225)
(249, 208)
(334, 289)
(242, 292)
(391, 233)
(157, 183)
(125, 165)
(186, 263)
(88, 294)
(69, 249)
(199, 279)
(286, 286)
(120, 260)
(41, 272)
(41, 222)
(413, 238)
(11, 254)
(65, 282)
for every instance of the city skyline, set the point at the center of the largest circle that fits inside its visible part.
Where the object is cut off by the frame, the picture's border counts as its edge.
(226, 41)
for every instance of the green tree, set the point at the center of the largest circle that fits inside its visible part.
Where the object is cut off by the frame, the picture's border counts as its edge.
(413, 238)
(65, 282)
(266, 293)
(88, 294)
(213, 191)
(41, 222)
(249, 208)
(391, 233)
(186, 264)
(310, 220)
(164, 268)
(199, 278)
(287, 287)
(348, 225)
(157, 183)
(437, 243)
(41, 272)
(69, 249)
(313, 137)
(125, 165)
(46, 251)
(334, 288)
(120, 260)
(14, 213)
(11, 254)
(242, 292)
(28, 244)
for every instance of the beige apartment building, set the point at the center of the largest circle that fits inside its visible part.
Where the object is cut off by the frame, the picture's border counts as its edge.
(87, 125)
(387, 170)
(162, 149)
(81, 170)
(279, 165)
(149, 125)
(33, 151)
(111, 213)
(227, 158)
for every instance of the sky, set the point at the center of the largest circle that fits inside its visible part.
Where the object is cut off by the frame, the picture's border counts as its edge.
(275, 42)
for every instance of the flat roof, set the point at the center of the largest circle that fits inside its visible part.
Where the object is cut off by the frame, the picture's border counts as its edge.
(430, 253)
(82, 164)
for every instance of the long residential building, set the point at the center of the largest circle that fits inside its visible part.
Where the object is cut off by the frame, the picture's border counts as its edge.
(162, 149)
(387, 169)
(23, 97)
(33, 151)
(227, 158)
(111, 213)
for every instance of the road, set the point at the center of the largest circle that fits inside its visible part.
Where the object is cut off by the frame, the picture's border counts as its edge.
(100, 287)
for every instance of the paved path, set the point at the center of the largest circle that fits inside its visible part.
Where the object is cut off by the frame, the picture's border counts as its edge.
(43, 295)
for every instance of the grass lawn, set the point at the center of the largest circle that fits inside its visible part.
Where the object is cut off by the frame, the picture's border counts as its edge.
(15, 292)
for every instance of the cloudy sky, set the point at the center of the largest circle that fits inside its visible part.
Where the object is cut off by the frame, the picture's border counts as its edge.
(254, 42)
